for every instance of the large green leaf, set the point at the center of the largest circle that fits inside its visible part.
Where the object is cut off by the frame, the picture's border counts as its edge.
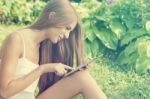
(142, 48)
(108, 38)
(132, 59)
(127, 59)
(92, 48)
(91, 36)
(87, 47)
(136, 53)
(148, 50)
(117, 27)
(129, 21)
(95, 47)
(133, 34)
(86, 29)
(121, 58)
(142, 64)
(130, 49)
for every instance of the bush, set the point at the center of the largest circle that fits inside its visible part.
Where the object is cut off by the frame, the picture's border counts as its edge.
(19, 12)
(122, 26)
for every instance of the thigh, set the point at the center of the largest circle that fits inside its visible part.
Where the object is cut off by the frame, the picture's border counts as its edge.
(66, 88)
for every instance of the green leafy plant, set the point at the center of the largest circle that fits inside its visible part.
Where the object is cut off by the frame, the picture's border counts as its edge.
(119, 25)
(20, 12)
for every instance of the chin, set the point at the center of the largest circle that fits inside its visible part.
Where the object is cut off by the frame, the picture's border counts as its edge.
(55, 41)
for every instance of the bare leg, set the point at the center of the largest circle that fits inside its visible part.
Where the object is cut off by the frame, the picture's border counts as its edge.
(90, 89)
(80, 82)
(63, 89)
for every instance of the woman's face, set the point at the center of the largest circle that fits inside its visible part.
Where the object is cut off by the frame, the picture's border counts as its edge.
(59, 32)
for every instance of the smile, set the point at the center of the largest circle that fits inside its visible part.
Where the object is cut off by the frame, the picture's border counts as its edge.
(60, 37)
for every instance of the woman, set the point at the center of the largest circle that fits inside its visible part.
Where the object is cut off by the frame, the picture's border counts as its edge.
(47, 48)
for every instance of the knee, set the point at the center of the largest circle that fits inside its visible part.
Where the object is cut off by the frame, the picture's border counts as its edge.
(82, 76)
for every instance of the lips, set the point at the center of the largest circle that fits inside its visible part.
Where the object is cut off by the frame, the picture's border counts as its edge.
(60, 37)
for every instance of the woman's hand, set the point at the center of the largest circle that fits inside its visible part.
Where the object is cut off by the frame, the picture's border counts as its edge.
(59, 68)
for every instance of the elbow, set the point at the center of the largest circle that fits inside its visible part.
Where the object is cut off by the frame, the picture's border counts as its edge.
(3, 94)
(5, 91)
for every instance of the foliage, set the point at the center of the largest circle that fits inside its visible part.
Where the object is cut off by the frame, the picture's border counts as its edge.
(119, 25)
(19, 11)
(122, 26)
(115, 80)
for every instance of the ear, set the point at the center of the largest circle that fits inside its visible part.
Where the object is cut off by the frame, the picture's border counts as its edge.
(51, 15)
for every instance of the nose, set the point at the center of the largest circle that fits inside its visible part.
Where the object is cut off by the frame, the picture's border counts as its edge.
(67, 35)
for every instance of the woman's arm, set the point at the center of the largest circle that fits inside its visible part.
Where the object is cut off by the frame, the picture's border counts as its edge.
(0, 51)
(8, 85)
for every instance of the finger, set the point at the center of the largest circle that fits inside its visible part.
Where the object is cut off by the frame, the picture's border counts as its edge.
(68, 67)
(65, 71)
(59, 74)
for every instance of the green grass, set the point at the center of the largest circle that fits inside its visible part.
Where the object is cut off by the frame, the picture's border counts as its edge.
(115, 80)
(118, 83)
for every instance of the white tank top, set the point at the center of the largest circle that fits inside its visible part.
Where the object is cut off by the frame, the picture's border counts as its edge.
(24, 67)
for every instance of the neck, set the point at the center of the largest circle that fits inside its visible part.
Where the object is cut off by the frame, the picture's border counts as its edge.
(38, 36)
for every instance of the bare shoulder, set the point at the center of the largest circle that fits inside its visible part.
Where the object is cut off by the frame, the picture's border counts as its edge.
(12, 39)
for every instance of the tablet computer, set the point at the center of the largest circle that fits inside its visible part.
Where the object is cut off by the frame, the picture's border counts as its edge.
(78, 68)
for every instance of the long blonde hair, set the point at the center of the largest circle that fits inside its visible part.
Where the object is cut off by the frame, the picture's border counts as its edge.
(67, 51)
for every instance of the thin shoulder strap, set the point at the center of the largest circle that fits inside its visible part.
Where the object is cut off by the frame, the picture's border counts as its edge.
(23, 44)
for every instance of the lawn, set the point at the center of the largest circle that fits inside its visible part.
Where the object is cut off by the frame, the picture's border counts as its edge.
(114, 80)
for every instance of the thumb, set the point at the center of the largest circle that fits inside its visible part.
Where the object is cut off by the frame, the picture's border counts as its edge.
(68, 67)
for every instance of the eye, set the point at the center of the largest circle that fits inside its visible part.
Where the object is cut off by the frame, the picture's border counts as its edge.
(68, 28)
